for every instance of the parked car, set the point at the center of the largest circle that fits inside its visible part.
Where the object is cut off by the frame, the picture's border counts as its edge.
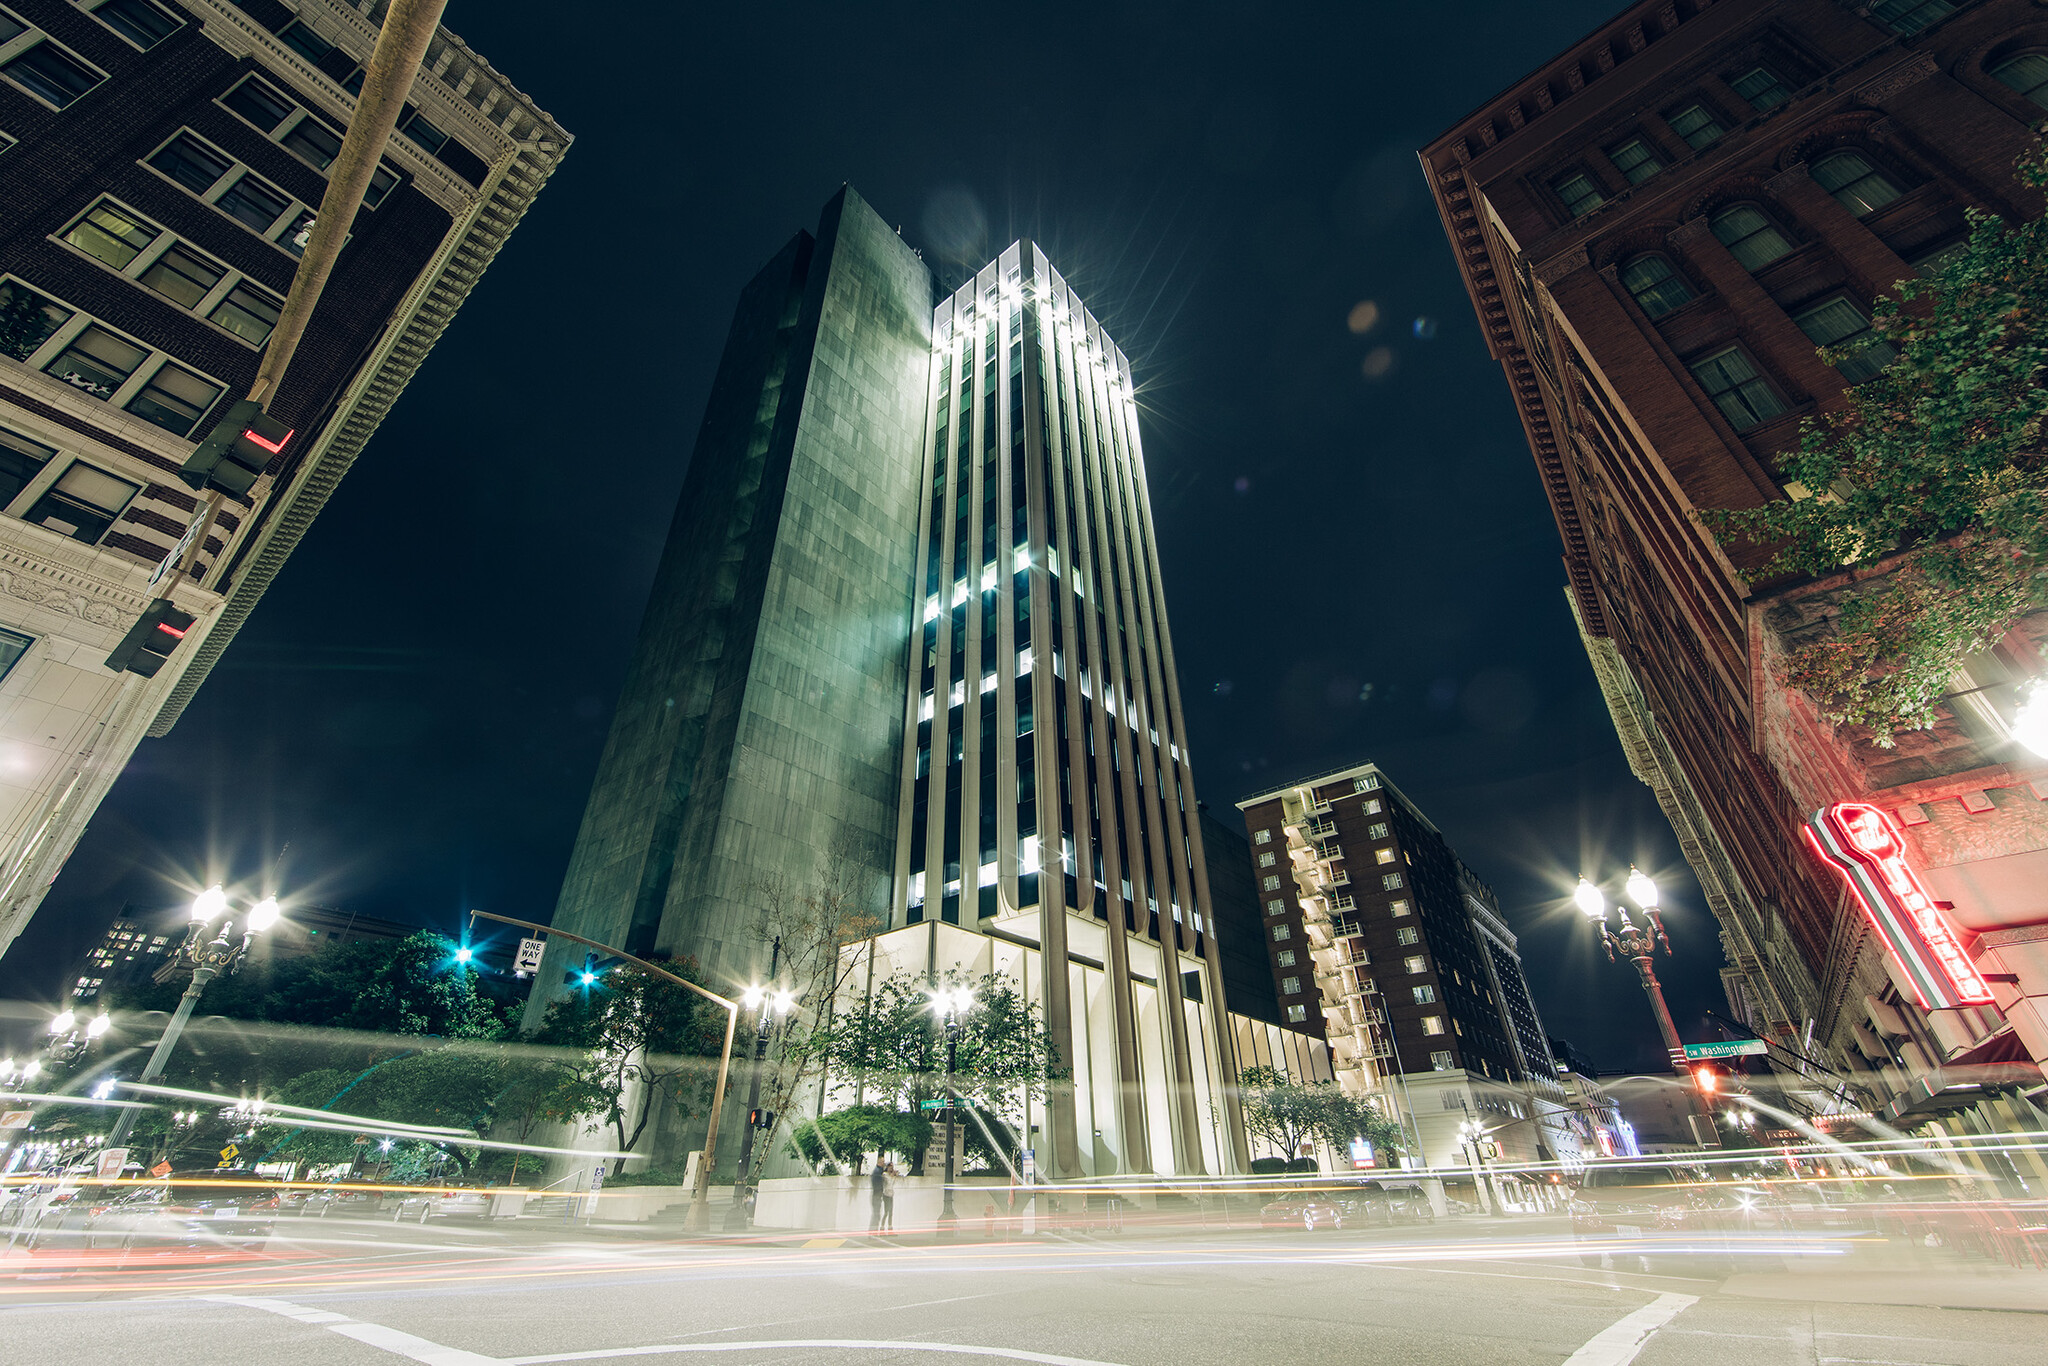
(441, 1202)
(1304, 1211)
(1389, 1203)
(216, 1207)
(344, 1197)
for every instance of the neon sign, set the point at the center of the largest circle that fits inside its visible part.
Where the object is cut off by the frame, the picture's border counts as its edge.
(1862, 844)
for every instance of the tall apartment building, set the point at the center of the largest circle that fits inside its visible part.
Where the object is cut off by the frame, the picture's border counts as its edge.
(162, 161)
(909, 625)
(1384, 943)
(1658, 229)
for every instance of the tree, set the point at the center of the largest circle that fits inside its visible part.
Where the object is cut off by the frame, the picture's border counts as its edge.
(1288, 1114)
(1938, 457)
(420, 989)
(633, 1028)
(894, 1046)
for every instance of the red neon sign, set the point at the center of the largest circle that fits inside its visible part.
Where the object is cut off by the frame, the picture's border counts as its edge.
(1863, 845)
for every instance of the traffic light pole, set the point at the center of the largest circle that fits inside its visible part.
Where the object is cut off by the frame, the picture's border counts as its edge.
(699, 1220)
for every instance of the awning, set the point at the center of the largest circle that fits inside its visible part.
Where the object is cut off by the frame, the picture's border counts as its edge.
(1952, 1089)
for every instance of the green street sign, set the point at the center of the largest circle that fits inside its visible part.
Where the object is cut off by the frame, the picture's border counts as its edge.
(932, 1105)
(1738, 1048)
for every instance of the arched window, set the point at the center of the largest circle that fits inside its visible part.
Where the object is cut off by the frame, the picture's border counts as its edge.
(1655, 285)
(1861, 187)
(1750, 236)
(2026, 73)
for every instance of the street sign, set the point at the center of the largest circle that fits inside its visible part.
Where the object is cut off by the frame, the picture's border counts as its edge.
(15, 1119)
(170, 562)
(111, 1160)
(160, 1169)
(229, 1154)
(933, 1105)
(530, 951)
(1738, 1048)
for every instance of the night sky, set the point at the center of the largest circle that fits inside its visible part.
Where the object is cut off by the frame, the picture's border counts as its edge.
(1358, 558)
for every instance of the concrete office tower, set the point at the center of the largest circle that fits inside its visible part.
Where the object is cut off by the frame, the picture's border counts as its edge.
(761, 729)
(909, 623)
(160, 164)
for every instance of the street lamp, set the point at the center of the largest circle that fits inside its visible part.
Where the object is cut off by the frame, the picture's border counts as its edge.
(1638, 944)
(2030, 725)
(761, 1001)
(950, 1005)
(1470, 1133)
(207, 960)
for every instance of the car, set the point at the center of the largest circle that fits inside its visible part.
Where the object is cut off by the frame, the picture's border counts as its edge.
(1637, 1205)
(439, 1202)
(342, 1196)
(215, 1207)
(1304, 1211)
(1389, 1202)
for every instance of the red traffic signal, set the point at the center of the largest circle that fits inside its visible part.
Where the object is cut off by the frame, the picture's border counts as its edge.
(239, 448)
(151, 639)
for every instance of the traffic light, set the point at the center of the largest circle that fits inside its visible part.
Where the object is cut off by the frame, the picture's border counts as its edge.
(1707, 1078)
(237, 450)
(592, 969)
(151, 639)
(761, 1119)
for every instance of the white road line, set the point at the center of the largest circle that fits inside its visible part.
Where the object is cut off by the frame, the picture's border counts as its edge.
(857, 1344)
(370, 1334)
(1618, 1343)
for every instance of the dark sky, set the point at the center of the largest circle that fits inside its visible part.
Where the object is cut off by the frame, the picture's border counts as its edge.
(1358, 558)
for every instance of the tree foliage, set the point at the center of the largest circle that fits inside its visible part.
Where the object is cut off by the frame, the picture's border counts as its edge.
(843, 1135)
(1289, 1114)
(640, 1041)
(1940, 456)
(894, 1044)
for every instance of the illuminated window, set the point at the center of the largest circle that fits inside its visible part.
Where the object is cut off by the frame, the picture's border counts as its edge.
(1407, 934)
(1432, 1024)
(1271, 882)
(1290, 986)
(1424, 995)
(2026, 73)
(1369, 783)
(1377, 831)
(1839, 323)
(1281, 934)
(1861, 188)
(1697, 126)
(112, 235)
(1276, 906)
(1263, 837)
(1285, 958)
(1265, 860)
(1741, 394)
(1373, 806)
(1761, 87)
(1443, 1062)
(1580, 195)
(1390, 881)
(1415, 963)
(1399, 907)
(1655, 285)
(1635, 160)
(1750, 236)
(1384, 856)
(1910, 16)
(1296, 1014)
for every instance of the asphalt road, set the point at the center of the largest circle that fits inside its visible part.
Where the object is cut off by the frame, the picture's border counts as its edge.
(521, 1295)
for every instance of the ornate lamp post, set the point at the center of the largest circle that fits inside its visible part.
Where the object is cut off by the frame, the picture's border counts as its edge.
(207, 959)
(758, 1000)
(951, 1005)
(1638, 944)
(1471, 1133)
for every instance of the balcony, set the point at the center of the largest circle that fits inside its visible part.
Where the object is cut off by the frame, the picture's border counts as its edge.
(1339, 877)
(1319, 828)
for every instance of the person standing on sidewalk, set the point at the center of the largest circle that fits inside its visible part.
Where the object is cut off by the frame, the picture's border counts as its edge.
(878, 1185)
(889, 1198)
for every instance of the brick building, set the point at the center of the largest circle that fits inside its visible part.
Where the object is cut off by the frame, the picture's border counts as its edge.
(162, 162)
(1384, 943)
(1658, 229)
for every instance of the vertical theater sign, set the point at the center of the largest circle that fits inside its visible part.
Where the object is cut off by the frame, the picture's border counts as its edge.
(1864, 845)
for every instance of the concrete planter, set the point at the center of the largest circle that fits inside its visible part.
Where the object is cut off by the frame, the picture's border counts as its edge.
(842, 1204)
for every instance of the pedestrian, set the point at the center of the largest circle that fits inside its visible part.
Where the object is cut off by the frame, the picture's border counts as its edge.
(889, 1198)
(878, 1186)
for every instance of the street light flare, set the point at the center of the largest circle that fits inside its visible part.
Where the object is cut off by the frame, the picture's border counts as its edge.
(1590, 900)
(1641, 889)
(209, 904)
